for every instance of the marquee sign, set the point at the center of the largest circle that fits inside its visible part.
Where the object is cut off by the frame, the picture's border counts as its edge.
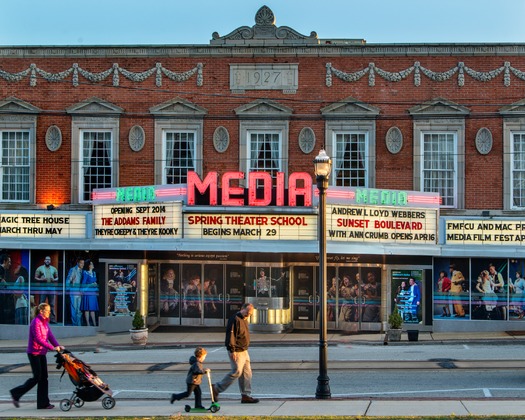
(45, 225)
(250, 226)
(381, 224)
(485, 232)
(123, 221)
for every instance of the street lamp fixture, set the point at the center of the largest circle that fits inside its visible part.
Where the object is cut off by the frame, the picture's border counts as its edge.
(322, 169)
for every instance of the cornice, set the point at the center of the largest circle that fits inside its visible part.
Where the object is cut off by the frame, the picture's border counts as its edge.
(262, 50)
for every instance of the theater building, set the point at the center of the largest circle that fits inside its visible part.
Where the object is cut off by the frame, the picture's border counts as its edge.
(178, 180)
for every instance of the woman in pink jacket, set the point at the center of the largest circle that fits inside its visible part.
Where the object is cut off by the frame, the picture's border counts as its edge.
(41, 339)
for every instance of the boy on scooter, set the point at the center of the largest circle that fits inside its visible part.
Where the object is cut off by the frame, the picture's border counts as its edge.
(194, 378)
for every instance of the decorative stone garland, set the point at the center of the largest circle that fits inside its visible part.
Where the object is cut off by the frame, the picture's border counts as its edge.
(417, 69)
(116, 70)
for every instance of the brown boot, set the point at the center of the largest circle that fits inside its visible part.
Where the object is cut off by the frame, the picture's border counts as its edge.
(246, 399)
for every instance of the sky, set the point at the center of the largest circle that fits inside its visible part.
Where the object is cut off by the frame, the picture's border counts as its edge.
(180, 22)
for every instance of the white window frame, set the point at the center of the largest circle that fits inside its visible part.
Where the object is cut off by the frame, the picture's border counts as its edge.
(91, 124)
(512, 170)
(249, 163)
(14, 163)
(336, 161)
(21, 123)
(512, 124)
(183, 125)
(165, 152)
(249, 127)
(425, 159)
(455, 126)
(86, 163)
(354, 126)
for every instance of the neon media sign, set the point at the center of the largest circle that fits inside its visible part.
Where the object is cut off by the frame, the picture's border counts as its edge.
(262, 190)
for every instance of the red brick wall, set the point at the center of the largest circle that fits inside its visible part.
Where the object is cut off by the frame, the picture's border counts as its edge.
(483, 173)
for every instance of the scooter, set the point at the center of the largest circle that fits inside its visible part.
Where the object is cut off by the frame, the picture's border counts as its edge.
(214, 407)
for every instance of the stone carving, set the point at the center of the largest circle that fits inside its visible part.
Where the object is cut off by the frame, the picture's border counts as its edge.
(394, 140)
(484, 141)
(221, 139)
(137, 138)
(307, 140)
(265, 29)
(115, 70)
(53, 138)
(461, 69)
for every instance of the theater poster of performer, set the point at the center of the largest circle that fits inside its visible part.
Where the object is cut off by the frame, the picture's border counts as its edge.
(407, 294)
(516, 283)
(15, 301)
(122, 289)
(455, 304)
(47, 282)
(490, 284)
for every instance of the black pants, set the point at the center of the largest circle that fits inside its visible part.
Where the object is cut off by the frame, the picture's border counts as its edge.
(39, 369)
(196, 389)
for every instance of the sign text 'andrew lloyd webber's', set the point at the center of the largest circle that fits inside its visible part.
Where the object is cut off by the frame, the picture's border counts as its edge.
(138, 221)
(381, 224)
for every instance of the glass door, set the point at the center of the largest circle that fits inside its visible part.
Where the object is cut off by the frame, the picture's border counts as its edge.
(235, 289)
(191, 294)
(305, 298)
(169, 294)
(213, 295)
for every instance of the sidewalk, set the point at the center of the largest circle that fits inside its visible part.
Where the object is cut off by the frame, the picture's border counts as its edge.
(178, 337)
(279, 408)
(308, 406)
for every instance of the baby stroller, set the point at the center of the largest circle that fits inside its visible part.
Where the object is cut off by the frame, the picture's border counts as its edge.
(89, 387)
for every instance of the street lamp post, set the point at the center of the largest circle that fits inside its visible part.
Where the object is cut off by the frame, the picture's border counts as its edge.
(322, 165)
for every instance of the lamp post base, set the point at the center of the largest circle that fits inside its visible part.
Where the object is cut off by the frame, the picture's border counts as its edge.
(323, 389)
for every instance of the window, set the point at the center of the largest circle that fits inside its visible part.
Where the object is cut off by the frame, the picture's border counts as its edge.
(350, 160)
(351, 142)
(178, 140)
(179, 157)
(439, 150)
(15, 169)
(438, 171)
(94, 147)
(518, 170)
(96, 166)
(265, 152)
(263, 138)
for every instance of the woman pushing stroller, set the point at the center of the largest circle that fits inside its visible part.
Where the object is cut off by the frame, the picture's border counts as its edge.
(41, 339)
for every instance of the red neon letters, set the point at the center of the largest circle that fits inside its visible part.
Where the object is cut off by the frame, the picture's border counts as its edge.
(299, 185)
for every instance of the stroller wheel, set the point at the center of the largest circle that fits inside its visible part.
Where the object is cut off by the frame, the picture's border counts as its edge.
(79, 402)
(108, 403)
(65, 405)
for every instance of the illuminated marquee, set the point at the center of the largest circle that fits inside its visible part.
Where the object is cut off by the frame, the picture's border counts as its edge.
(485, 232)
(42, 225)
(234, 196)
(250, 226)
(138, 221)
(381, 224)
